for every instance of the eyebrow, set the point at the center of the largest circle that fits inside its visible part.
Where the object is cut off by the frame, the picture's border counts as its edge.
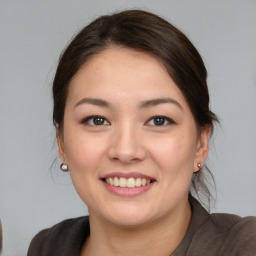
(93, 101)
(143, 104)
(155, 102)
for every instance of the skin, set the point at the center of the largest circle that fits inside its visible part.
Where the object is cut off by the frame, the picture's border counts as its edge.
(156, 221)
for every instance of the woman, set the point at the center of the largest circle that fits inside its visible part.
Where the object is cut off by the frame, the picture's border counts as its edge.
(131, 111)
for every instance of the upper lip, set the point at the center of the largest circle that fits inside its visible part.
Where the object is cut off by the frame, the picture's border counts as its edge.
(127, 175)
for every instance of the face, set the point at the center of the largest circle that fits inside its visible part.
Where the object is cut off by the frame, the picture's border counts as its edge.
(129, 138)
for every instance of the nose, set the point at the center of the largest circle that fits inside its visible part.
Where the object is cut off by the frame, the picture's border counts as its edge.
(126, 145)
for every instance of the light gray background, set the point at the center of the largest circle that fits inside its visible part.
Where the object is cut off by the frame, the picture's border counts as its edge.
(32, 35)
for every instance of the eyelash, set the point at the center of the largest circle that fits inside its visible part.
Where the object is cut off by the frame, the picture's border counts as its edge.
(167, 121)
(91, 118)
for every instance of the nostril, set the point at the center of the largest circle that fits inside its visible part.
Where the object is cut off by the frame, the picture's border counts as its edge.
(126, 149)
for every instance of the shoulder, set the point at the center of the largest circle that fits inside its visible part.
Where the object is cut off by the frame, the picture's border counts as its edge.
(233, 223)
(236, 235)
(66, 236)
(241, 234)
(221, 233)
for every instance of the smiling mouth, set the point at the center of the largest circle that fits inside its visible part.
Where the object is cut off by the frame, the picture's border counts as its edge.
(127, 182)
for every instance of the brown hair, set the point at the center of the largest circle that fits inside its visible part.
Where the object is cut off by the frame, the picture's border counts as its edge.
(149, 33)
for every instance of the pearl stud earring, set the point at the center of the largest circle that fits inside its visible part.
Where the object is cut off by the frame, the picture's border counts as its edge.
(64, 167)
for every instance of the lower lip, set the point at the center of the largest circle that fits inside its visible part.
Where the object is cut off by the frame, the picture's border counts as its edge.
(128, 192)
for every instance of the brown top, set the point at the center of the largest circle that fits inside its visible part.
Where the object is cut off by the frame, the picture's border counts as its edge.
(208, 235)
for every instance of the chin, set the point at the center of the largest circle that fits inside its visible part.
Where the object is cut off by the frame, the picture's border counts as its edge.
(128, 216)
(128, 220)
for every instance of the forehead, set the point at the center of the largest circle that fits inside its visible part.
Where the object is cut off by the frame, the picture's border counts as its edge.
(126, 72)
(121, 60)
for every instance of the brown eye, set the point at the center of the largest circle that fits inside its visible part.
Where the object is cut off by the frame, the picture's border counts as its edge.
(95, 121)
(98, 121)
(160, 121)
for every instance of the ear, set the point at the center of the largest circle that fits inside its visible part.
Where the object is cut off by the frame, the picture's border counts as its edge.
(60, 141)
(202, 147)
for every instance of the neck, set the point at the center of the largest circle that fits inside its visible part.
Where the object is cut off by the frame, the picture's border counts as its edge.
(159, 237)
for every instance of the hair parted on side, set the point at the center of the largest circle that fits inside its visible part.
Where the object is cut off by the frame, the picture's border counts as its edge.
(147, 32)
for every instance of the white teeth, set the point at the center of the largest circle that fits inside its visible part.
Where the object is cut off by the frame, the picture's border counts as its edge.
(138, 182)
(131, 183)
(116, 182)
(122, 182)
(127, 183)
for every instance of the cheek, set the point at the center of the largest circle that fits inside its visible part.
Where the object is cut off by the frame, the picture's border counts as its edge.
(83, 151)
(174, 153)
(84, 154)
